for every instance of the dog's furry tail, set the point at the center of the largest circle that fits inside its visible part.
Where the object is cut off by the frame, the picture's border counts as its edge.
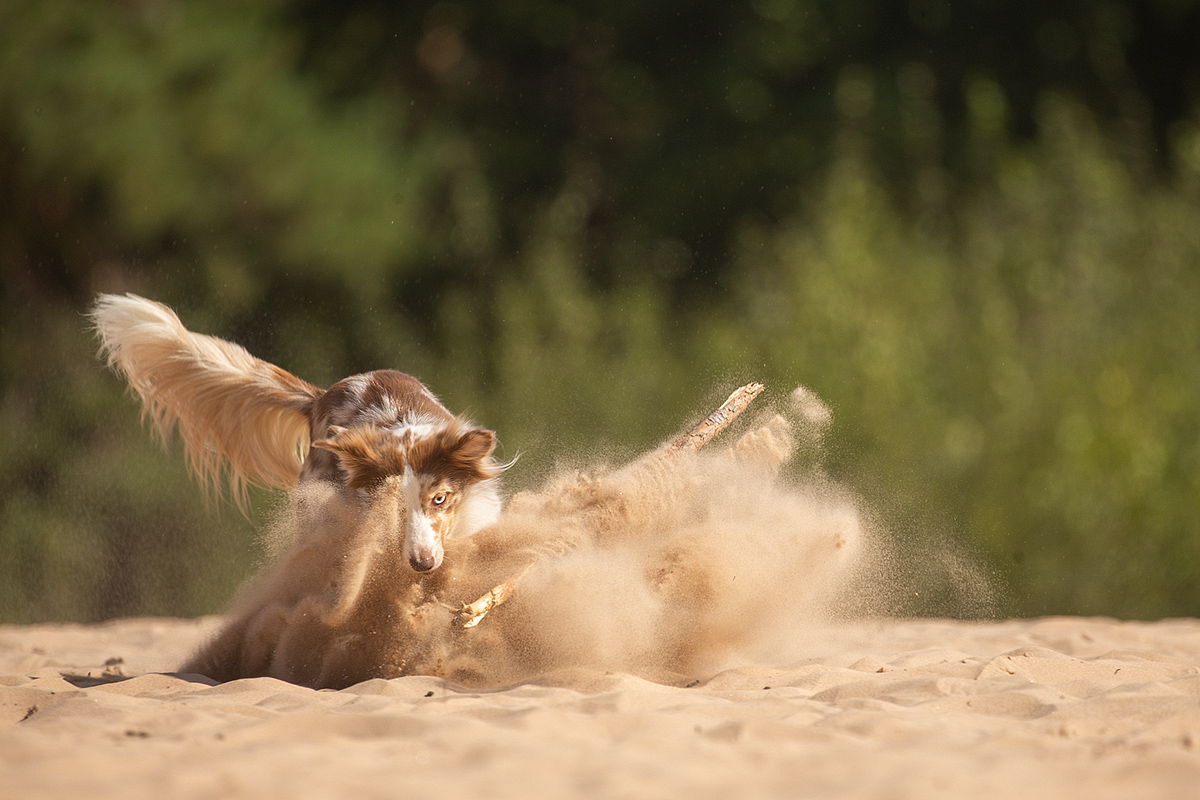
(234, 412)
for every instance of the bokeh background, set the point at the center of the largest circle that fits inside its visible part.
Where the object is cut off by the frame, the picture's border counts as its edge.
(973, 228)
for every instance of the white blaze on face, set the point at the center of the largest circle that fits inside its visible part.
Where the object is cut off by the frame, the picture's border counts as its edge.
(422, 549)
(416, 427)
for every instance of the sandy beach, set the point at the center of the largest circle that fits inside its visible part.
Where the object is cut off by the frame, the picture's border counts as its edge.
(1053, 707)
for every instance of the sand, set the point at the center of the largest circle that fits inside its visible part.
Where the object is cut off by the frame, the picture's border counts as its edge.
(1054, 707)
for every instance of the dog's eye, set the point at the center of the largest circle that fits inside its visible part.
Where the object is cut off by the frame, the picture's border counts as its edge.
(440, 498)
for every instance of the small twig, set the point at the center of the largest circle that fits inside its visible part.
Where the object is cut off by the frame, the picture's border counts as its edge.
(472, 614)
(718, 420)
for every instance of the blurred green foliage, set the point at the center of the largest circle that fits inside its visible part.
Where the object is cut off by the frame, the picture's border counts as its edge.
(974, 229)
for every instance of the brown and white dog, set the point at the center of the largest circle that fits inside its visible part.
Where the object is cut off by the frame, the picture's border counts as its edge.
(377, 434)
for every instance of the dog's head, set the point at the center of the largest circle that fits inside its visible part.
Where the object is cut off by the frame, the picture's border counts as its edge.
(422, 481)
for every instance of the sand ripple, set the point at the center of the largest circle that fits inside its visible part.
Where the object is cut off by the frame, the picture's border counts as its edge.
(926, 708)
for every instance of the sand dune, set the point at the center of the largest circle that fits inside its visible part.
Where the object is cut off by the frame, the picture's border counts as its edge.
(1056, 707)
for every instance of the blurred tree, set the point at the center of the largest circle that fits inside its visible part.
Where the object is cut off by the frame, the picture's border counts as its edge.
(971, 227)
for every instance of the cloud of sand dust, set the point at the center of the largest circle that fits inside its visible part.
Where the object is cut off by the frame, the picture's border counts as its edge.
(671, 567)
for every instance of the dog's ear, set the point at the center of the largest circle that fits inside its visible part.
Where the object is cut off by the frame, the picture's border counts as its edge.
(330, 442)
(476, 444)
(459, 451)
(364, 454)
(472, 455)
(353, 449)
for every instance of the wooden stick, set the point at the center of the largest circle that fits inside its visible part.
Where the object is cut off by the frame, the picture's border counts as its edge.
(472, 614)
(718, 420)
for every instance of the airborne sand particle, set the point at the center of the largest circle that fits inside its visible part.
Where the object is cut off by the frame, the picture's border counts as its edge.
(633, 570)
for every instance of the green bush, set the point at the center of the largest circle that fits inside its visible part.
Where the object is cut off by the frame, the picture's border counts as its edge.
(584, 237)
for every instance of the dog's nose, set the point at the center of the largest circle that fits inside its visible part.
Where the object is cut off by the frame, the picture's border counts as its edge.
(422, 563)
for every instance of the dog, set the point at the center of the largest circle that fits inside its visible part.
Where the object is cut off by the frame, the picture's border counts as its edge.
(375, 437)
(628, 569)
